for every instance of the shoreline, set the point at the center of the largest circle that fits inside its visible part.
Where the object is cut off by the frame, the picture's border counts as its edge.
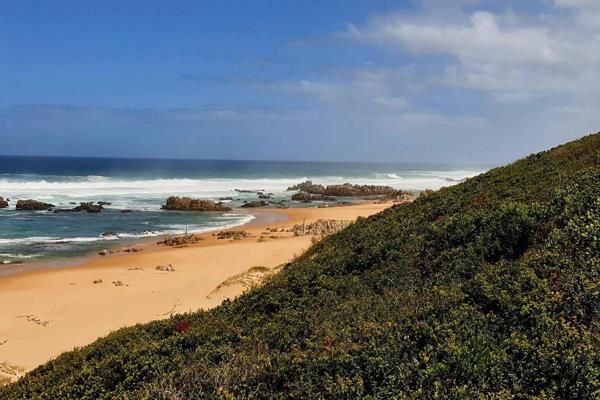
(53, 309)
(261, 216)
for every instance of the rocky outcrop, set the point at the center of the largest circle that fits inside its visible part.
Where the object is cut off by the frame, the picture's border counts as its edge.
(254, 204)
(32, 205)
(3, 203)
(189, 204)
(308, 187)
(346, 189)
(307, 198)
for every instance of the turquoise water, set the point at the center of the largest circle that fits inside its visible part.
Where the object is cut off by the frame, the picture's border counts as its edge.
(142, 185)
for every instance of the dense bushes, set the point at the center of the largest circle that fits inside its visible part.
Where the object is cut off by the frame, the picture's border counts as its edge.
(488, 289)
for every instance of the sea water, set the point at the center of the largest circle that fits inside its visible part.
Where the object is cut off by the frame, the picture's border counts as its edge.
(142, 186)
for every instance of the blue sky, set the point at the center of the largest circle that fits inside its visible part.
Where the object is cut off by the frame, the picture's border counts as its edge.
(423, 80)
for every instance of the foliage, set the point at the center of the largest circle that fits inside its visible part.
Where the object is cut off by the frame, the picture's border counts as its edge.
(487, 289)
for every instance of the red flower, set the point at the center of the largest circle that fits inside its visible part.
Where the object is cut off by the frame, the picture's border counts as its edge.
(182, 326)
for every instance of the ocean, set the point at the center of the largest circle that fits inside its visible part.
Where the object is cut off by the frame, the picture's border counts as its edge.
(142, 185)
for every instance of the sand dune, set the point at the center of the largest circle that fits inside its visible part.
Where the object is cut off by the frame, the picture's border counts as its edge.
(48, 311)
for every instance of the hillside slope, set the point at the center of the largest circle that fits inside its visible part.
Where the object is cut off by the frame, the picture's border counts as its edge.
(487, 289)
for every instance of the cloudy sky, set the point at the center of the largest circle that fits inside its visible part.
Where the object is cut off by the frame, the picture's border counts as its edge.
(463, 81)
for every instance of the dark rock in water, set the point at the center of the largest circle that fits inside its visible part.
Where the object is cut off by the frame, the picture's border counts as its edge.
(254, 204)
(264, 196)
(3, 203)
(225, 198)
(110, 234)
(126, 211)
(189, 204)
(246, 191)
(346, 189)
(89, 207)
(103, 203)
(307, 198)
(32, 205)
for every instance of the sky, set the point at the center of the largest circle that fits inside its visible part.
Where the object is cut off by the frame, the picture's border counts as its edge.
(456, 81)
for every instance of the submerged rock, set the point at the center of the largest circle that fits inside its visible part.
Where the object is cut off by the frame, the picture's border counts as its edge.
(88, 207)
(32, 205)
(188, 204)
(3, 203)
(254, 204)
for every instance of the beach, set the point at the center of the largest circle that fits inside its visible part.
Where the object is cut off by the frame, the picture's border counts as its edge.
(47, 311)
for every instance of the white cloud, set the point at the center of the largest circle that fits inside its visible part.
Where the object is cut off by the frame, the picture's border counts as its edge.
(479, 40)
(500, 53)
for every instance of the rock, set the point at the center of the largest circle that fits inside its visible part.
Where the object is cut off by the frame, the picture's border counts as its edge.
(165, 268)
(254, 204)
(103, 203)
(264, 196)
(88, 207)
(235, 235)
(189, 204)
(110, 234)
(32, 205)
(347, 189)
(181, 240)
(126, 211)
(307, 198)
(3, 203)
(225, 198)
(308, 187)
(105, 252)
(247, 191)
(97, 281)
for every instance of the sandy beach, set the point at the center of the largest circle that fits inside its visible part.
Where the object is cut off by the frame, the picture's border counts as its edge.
(47, 311)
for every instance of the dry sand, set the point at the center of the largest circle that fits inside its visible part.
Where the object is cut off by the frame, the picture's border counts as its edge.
(45, 312)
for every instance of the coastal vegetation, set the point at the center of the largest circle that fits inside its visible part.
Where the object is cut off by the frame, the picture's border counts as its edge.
(486, 289)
